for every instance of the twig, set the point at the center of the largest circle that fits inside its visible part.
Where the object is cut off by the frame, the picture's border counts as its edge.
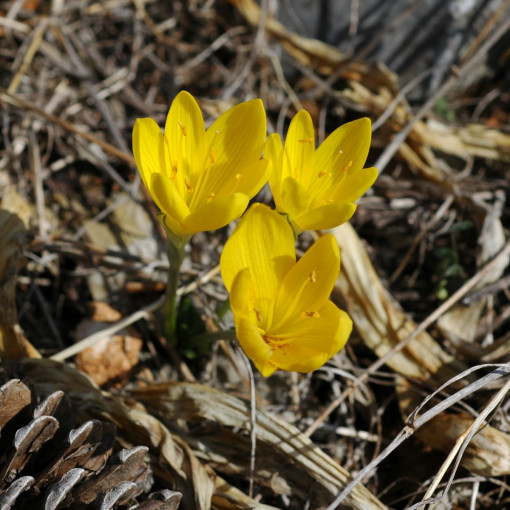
(466, 437)
(91, 340)
(253, 421)
(144, 313)
(416, 241)
(38, 184)
(29, 107)
(438, 312)
(257, 43)
(400, 137)
(415, 423)
(29, 54)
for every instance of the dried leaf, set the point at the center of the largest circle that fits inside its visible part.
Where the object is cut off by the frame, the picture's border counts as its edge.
(459, 325)
(112, 358)
(487, 454)
(311, 471)
(379, 320)
(13, 344)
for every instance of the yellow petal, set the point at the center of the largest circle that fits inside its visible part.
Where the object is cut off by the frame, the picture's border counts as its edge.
(167, 197)
(324, 217)
(307, 285)
(148, 149)
(251, 179)
(254, 346)
(273, 151)
(316, 343)
(233, 142)
(294, 197)
(243, 298)
(299, 149)
(216, 214)
(263, 242)
(185, 135)
(243, 303)
(344, 152)
(355, 185)
(238, 135)
(248, 181)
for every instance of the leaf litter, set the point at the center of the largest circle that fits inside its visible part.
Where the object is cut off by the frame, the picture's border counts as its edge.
(424, 270)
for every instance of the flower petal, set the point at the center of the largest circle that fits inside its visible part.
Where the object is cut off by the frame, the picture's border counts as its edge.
(216, 213)
(185, 135)
(242, 301)
(307, 285)
(324, 217)
(234, 141)
(254, 346)
(355, 185)
(248, 181)
(294, 197)
(343, 153)
(167, 197)
(251, 179)
(299, 149)
(238, 135)
(273, 151)
(263, 242)
(314, 345)
(148, 149)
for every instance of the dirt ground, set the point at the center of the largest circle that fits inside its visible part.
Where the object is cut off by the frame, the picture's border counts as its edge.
(413, 413)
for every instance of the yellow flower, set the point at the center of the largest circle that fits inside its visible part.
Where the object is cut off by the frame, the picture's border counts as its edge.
(317, 188)
(202, 180)
(282, 312)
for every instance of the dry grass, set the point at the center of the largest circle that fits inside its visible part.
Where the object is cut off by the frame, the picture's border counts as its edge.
(425, 278)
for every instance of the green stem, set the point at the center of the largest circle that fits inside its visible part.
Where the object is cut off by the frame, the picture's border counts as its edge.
(175, 253)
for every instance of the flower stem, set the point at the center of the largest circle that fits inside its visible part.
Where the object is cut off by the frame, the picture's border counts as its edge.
(175, 253)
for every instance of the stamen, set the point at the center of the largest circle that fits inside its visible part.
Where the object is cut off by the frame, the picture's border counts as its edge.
(210, 196)
(312, 314)
(258, 313)
(346, 167)
(212, 155)
(312, 276)
(173, 172)
(277, 342)
(183, 128)
(322, 173)
(305, 140)
(189, 187)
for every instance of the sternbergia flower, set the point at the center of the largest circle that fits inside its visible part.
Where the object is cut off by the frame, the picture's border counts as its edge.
(202, 180)
(282, 312)
(317, 188)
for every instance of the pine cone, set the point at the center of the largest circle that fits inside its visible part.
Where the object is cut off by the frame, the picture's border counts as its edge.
(48, 461)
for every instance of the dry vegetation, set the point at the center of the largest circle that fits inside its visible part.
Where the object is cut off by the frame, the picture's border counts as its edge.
(424, 272)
